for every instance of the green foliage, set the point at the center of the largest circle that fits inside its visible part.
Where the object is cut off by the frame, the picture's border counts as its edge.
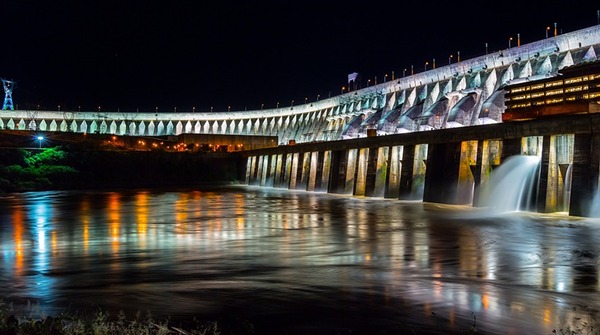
(35, 171)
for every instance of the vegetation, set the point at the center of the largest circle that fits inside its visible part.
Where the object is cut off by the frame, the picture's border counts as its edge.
(97, 323)
(24, 170)
(75, 166)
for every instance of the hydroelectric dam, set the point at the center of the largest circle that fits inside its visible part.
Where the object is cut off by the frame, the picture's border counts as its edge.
(437, 135)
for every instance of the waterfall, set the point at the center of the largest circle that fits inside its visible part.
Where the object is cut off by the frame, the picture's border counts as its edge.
(512, 186)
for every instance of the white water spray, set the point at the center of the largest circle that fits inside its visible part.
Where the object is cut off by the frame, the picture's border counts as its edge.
(512, 185)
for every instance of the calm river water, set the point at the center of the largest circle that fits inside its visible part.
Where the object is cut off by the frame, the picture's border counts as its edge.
(299, 262)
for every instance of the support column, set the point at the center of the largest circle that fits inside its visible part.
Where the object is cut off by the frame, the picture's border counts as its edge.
(394, 168)
(337, 175)
(406, 173)
(325, 170)
(287, 174)
(381, 171)
(350, 171)
(294, 171)
(545, 201)
(313, 171)
(360, 182)
(304, 170)
(272, 171)
(584, 180)
(248, 169)
(264, 170)
(441, 177)
(279, 170)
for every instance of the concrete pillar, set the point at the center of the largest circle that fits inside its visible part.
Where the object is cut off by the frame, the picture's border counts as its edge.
(313, 170)
(360, 183)
(466, 180)
(287, 174)
(394, 170)
(337, 172)
(545, 201)
(373, 167)
(350, 171)
(272, 171)
(584, 180)
(264, 170)
(441, 176)
(325, 170)
(381, 170)
(259, 165)
(406, 173)
(294, 171)
(555, 173)
(279, 170)
(248, 169)
(419, 170)
(304, 171)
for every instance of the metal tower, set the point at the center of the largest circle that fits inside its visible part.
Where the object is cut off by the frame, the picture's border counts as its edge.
(8, 102)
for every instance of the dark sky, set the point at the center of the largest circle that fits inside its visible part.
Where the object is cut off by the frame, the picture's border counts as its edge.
(131, 54)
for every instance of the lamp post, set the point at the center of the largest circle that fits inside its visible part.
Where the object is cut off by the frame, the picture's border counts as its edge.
(426, 63)
(385, 77)
(40, 138)
(450, 59)
(404, 73)
(318, 96)
(305, 100)
(518, 39)
(412, 70)
(458, 56)
(547, 29)
(368, 82)
(509, 40)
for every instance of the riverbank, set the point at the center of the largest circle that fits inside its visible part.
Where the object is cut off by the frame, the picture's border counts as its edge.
(78, 167)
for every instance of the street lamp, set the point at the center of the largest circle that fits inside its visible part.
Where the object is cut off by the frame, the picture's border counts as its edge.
(318, 96)
(368, 82)
(426, 63)
(343, 88)
(547, 29)
(305, 100)
(385, 78)
(450, 59)
(509, 40)
(404, 73)
(40, 138)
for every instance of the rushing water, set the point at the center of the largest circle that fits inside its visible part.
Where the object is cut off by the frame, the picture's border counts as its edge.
(300, 262)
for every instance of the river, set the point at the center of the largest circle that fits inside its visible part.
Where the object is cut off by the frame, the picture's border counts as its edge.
(300, 262)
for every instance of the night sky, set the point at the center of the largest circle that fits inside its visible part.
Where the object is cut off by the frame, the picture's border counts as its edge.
(132, 55)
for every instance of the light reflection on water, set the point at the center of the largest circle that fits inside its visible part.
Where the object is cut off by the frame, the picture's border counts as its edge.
(299, 260)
